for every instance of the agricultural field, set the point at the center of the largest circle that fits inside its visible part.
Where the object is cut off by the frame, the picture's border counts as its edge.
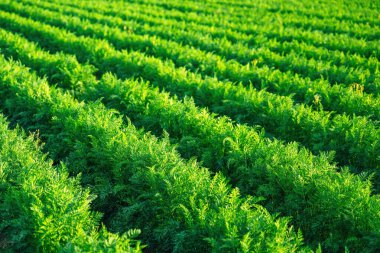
(190, 126)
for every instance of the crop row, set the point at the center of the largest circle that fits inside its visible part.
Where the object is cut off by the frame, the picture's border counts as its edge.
(246, 55)
(303, 8)
(240, 51)
(151, 18)
(349, 75)
(335, 98)
(141, 181)
(355, 139)
(295, 183)
(261, 57)
(41, 208)
(257, 17)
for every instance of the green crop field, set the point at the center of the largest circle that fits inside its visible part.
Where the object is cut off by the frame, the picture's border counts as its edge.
(190, 126)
